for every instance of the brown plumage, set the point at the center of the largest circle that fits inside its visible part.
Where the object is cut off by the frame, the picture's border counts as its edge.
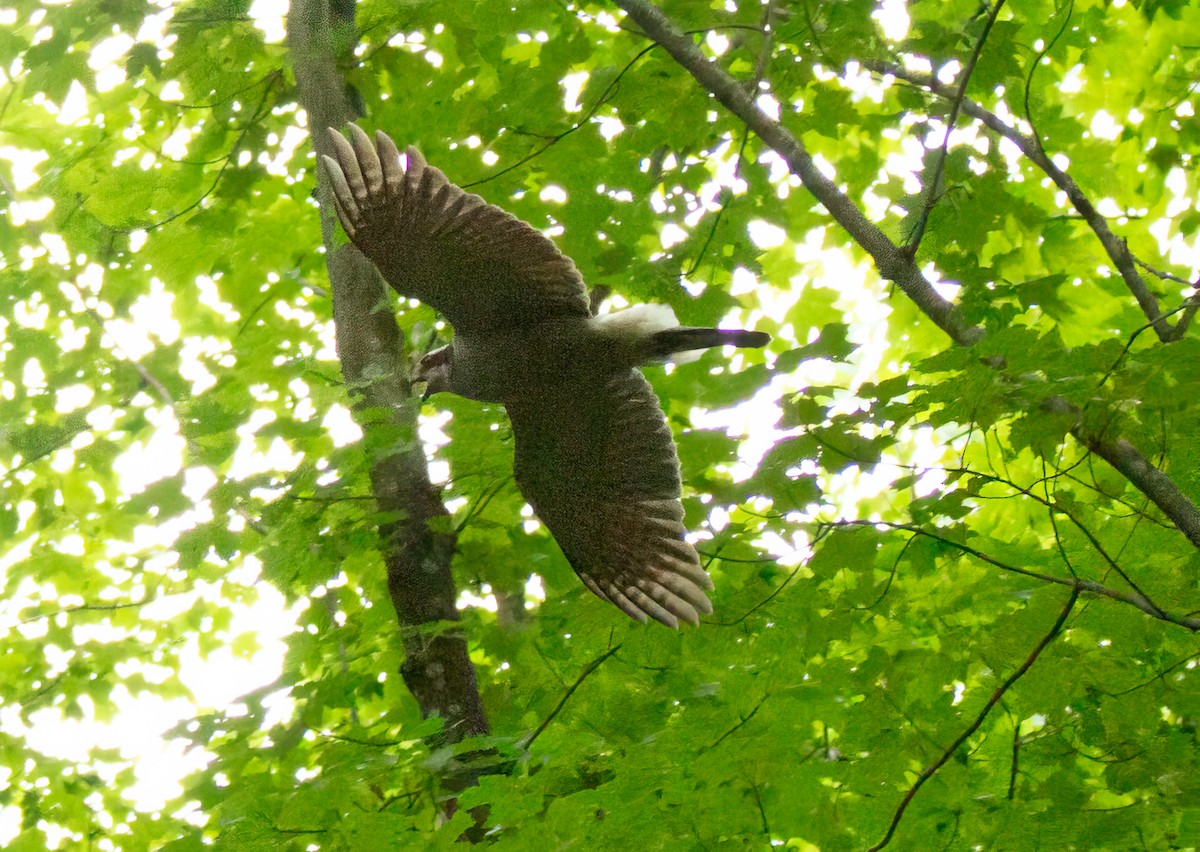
(594, 454)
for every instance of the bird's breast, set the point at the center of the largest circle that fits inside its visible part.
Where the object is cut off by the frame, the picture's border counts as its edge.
(528, 361)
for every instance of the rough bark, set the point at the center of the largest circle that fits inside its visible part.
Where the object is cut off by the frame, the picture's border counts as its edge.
(416, 537)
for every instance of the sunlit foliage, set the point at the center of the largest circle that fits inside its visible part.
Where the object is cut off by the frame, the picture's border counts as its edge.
(929, 575)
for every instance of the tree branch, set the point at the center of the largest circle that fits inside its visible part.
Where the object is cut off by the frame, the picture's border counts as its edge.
(562, 702)
(1117, 452)
(932, 186)
(1135, 467)
(1148, 479)
(893, 263)
(1115, 247)
(974, 726)
(1133, 599)
(744, 720)
(897, 266)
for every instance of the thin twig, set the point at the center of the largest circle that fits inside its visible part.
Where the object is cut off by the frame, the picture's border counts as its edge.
(768, 43)
(931, 186)
(1186, 308)
(762, 814)
(591, 667)
(744, 720)
(558, 137)
(254, 118)
(159, 388)
(1016, 760)
(87, 607)
(1135, 467)
(726, 201)
(932, 769)
(1037, 61)
(1189, 622)
(223, 100)
(1166, 276)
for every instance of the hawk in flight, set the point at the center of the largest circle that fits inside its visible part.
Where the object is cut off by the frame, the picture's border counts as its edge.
(594, 454)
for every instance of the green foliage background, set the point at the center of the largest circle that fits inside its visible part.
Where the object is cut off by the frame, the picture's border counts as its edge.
(806, 708)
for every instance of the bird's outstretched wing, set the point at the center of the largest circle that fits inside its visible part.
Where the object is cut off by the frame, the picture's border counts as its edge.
(597, 463)
(479, 266)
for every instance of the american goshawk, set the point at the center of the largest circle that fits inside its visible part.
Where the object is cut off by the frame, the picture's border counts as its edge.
(594, 454)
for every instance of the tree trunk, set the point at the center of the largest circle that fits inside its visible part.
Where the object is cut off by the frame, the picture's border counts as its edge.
(417, 541)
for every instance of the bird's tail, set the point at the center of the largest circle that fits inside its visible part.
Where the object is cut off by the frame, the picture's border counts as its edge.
(663, 344)
(650, 333)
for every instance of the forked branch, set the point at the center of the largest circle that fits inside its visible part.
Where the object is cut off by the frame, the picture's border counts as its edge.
(1115, 247)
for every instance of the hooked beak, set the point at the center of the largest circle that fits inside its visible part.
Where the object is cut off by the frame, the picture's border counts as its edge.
(431, 371)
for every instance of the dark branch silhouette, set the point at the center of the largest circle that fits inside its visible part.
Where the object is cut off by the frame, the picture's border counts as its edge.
(932, 769)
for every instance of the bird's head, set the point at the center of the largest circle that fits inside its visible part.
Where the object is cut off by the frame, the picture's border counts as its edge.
(434, 370)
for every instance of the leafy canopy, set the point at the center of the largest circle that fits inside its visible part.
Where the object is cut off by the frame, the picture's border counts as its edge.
(895, 545)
